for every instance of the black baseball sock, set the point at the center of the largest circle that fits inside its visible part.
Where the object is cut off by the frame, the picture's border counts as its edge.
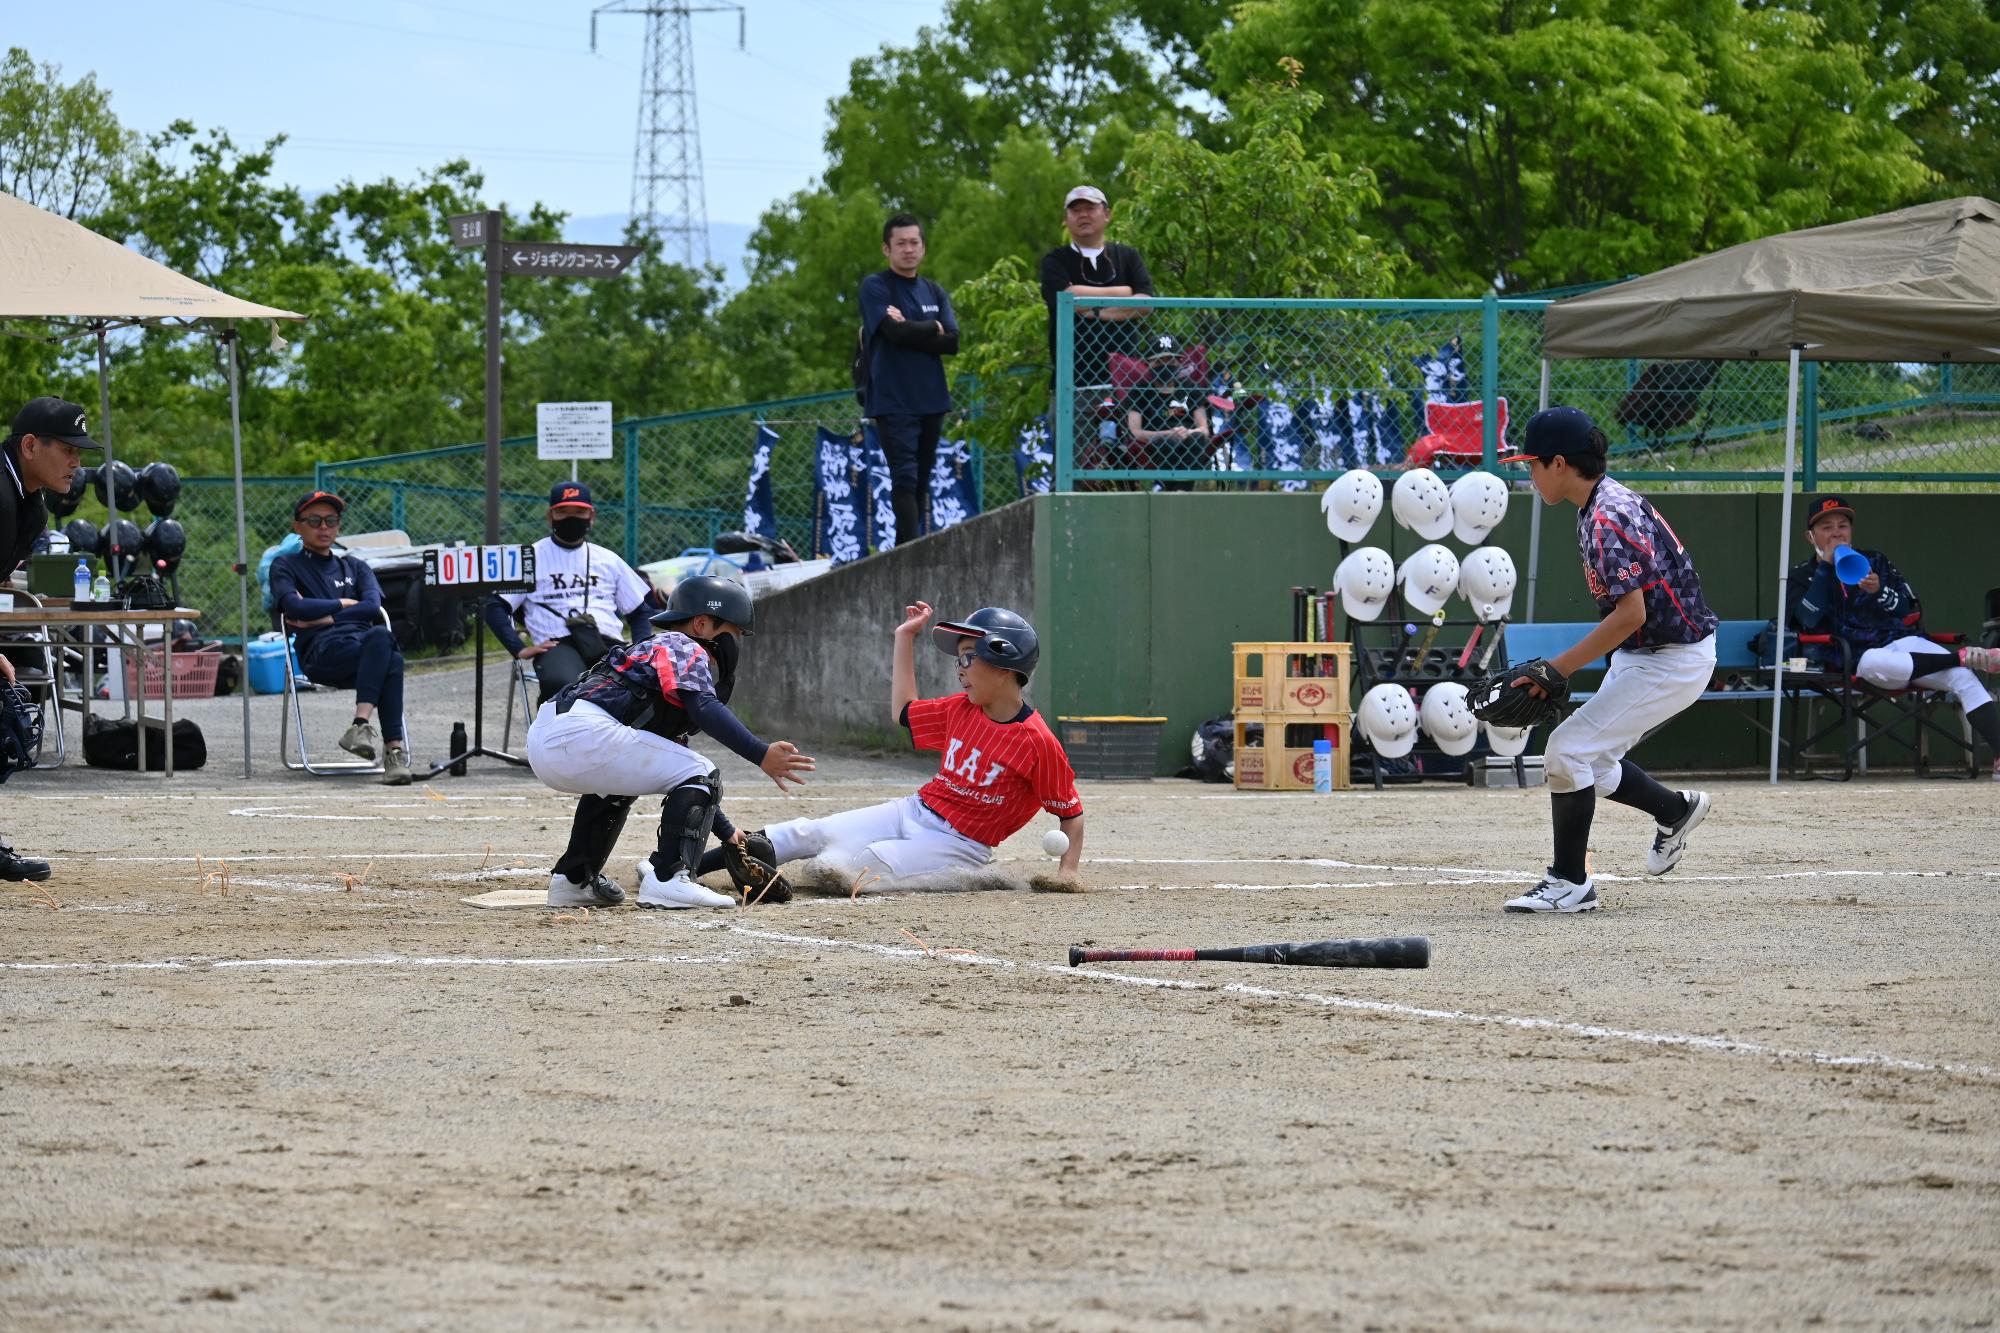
(1638, 789)
(712, 860)
(1929, 664)
(1985, 720)
(1571, 812)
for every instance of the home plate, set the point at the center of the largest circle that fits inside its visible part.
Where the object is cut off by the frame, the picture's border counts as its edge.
(509, 898)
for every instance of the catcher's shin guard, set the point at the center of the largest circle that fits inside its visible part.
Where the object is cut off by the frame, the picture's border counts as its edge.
(593, 832)
(686, 817)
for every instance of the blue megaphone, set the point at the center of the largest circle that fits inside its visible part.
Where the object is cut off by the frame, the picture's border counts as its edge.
(1849, 565)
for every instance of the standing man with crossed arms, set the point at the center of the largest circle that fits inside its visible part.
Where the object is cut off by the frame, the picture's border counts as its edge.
(1089, 265)
(908, 327)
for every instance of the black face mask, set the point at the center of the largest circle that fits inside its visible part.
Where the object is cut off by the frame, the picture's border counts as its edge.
(722, 651)
(570, 531)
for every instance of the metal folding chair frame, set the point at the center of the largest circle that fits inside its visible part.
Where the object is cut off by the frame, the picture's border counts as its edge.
(290, 712)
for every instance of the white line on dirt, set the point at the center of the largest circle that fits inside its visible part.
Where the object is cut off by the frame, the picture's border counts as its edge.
(389, 960)
(188, 859)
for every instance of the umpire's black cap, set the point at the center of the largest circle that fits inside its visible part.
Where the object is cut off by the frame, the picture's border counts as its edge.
(54, 419)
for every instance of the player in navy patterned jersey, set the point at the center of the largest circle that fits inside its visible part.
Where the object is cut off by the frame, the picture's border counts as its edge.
(1661, 637)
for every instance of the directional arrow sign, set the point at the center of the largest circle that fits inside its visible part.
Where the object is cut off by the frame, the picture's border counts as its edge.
(556, 260)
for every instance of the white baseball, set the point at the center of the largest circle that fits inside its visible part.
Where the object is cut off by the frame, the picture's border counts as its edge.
(1055, 842)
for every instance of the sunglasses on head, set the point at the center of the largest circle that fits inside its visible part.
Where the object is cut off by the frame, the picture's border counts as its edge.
(320, 520)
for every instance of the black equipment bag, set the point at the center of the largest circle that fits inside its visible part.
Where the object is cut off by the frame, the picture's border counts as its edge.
(114, 743)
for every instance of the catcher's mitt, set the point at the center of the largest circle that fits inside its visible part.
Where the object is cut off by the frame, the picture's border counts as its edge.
(1496, 699)
(753, 869)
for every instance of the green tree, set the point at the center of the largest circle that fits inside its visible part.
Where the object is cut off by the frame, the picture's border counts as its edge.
(1534, 145)
(60, 144)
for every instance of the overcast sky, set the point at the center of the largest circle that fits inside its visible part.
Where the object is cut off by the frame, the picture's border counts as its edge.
(368, 88)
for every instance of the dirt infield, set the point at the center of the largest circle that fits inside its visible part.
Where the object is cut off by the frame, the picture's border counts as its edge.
(1763, 1092)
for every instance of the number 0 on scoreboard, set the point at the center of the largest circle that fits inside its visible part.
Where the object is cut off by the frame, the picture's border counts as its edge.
(480, 568)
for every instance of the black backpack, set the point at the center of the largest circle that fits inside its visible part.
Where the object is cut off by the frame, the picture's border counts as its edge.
(115, 743)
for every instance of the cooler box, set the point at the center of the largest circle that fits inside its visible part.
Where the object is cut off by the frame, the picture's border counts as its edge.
(1111, 747)
(264, 661)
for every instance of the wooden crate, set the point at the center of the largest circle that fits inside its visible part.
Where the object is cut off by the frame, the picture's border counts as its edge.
(1310, 678)
(1278, 766)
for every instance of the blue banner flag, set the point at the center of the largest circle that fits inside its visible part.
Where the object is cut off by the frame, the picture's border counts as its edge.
(953, 496)
(837, 520)
(760, 511)
(1034, 459)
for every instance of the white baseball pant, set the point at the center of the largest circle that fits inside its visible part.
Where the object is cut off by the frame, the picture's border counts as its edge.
(591, 753)
(897, 840)
(1889, 667)
(1643, 689)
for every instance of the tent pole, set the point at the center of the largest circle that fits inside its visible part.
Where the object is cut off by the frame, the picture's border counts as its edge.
(1784, 557)
(103, 435)
(1535, 513)
(242, 540)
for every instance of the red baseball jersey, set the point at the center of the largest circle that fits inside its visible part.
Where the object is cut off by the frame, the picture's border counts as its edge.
(992, 776)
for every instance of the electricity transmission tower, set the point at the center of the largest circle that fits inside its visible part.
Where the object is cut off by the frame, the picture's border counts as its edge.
(667, 196)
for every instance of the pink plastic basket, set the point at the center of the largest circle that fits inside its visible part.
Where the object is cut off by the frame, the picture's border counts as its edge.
(194, 674)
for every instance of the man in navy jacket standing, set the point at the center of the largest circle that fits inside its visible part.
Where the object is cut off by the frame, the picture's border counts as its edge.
(909, 328)
(334, 606)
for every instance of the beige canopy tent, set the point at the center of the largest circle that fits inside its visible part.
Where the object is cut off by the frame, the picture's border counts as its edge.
(54, 269)
(1919, 284)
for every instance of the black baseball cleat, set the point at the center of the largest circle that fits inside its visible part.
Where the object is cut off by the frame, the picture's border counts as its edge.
(16, 867)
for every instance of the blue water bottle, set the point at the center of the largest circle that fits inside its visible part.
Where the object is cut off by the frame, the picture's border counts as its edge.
(1322, 766)
(82, 582)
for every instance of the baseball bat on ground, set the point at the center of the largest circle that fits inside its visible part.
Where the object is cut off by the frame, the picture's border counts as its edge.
(1404, 951)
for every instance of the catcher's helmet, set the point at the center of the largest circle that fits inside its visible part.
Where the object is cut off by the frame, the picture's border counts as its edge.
(165, 540)
(705, 595)
(1000, 637)
(121, 476)
(83, 536)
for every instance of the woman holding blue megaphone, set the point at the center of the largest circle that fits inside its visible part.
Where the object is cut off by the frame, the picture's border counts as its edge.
(1859, 596)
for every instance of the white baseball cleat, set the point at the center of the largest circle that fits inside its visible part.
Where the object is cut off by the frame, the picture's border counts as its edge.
(1670, 843)
(1555, 894)
(678, 892)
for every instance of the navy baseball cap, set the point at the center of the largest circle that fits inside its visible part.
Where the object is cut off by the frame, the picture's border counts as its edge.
(319, 498)
(1819, 506)
(571, 493)
(54, 419)
(1559, 432)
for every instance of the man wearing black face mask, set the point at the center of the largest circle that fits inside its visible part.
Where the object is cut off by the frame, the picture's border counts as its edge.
(622, 732)
(582, 592)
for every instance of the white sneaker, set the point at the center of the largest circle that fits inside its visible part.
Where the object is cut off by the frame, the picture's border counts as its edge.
(1670, 843)
(599, 892)
(1980, 659)
(1555, 894)
(680, 891)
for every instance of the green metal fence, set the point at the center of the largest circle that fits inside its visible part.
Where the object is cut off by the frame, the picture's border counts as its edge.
(1177, 393)
(673, 482)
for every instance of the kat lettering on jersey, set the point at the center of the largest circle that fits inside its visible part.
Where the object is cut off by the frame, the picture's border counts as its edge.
(1626, 544)
(993, 777)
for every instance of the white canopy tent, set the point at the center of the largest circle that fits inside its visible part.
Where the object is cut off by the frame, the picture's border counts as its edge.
(54, 269)
(1920, 284)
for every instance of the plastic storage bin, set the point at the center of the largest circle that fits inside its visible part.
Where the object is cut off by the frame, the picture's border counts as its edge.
(265, 664)
(1111, 747)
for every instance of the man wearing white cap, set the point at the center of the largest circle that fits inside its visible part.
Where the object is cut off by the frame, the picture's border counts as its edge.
(1091, 266)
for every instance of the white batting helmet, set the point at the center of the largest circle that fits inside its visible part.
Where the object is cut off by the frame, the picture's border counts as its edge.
(1487, 580)
(1364, 580)
(1507, 741)
(1430, 577)
(1351, 503)
(1447, 718)
(1421, 503)
(1478, 503)
(1388, 717)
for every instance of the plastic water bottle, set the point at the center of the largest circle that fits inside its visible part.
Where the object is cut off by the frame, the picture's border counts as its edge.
(100, 591)
(82, 582)
(1322, 766)
(458, 748)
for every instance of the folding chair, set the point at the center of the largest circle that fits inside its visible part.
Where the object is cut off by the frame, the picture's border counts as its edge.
(1864, 705)
(44, 684)
(292, 717)
(521, 700)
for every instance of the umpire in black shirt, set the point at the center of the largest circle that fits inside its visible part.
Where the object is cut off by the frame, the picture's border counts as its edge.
(41, 453)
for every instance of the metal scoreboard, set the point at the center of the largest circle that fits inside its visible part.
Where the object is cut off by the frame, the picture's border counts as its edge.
(476, 569)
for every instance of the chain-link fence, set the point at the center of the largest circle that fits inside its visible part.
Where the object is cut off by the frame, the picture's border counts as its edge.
(673, 483)
(1175, 394)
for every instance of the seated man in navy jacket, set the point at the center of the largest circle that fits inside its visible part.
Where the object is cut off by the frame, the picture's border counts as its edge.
(334, 606)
